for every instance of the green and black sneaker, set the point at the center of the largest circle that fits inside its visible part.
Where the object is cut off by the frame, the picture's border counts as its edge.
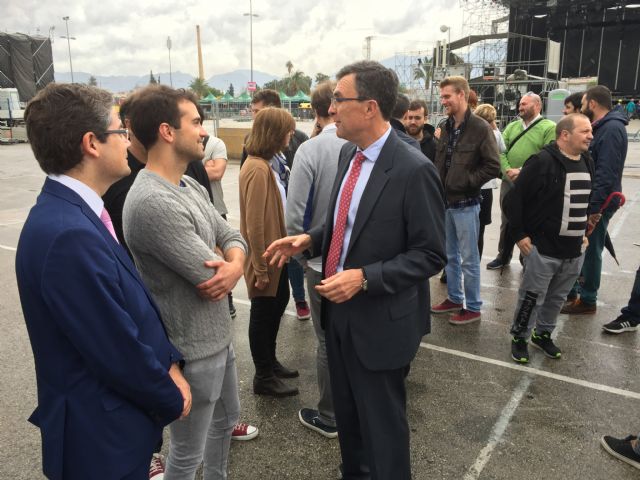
(543, 341)
(519, 350)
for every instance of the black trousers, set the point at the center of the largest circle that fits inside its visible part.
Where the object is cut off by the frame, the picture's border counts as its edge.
(264, 323)
(370, 408)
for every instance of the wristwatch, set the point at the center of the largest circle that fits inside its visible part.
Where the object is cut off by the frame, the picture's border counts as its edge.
(364, 285)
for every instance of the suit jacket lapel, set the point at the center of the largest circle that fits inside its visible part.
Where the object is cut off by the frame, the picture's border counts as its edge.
(55, 188)
(373, 189)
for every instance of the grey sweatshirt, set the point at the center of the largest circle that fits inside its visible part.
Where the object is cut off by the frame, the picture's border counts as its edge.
(314, 171)
(171, 231)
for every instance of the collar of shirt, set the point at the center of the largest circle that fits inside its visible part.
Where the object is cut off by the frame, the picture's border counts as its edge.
(451, 122)
(525, 126)
(372, 152)
(90, 197)
(331, 127)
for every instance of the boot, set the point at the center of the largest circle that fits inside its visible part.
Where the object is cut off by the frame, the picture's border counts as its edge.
(272, 386)
(281, 371)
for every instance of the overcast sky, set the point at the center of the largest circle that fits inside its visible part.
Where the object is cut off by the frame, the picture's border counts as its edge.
(118, 37)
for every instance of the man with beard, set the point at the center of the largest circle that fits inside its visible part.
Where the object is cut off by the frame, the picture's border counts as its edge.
(547, 216)
(173, 234)
(398, 117)
(416, 125)
(609, 151)
(523, 137)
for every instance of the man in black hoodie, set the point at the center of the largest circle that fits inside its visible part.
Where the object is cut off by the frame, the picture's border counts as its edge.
(547, 213)
(416, 126)
(609, 151)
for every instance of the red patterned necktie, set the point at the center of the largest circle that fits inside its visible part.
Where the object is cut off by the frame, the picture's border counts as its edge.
(106, 220)
(337, 239)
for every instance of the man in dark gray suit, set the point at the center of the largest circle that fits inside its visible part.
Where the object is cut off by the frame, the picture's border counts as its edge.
(384, 238)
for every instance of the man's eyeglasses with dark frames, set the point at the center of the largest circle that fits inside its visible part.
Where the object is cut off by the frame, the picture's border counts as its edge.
(120, 131)
(335, 100)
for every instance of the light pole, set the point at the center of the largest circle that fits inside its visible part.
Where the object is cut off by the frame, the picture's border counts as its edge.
(251, 15)
(445, 56)
(169, 48)
(66, 21)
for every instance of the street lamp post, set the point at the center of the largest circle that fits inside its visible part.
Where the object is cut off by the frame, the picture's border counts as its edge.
(66, 21)
(445, 57)
(169, 48)
(251, 15)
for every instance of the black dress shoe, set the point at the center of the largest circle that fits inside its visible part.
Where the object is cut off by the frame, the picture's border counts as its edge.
(281, 371)
(272, 386)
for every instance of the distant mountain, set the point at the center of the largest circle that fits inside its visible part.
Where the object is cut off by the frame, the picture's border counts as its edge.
(126, 83)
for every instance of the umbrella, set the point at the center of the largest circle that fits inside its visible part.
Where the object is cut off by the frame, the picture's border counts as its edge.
(608, 244)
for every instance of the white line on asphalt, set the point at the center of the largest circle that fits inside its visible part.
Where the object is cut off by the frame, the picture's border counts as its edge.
(5, 247)
(497, 432)
(535, 371)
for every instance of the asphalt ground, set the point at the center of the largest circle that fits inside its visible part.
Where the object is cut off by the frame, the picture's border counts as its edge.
(473, 413)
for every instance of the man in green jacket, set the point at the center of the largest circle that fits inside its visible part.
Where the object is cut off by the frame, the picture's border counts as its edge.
(523, 137)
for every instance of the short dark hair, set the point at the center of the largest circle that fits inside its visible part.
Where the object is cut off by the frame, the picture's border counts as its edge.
(270, 127)
(568, 123)
(321, 98)
(402, 106)
(601, 95)
(269, 97)
(575, 99)
(59, 116)
(374, 81)
(418, 104)
(153, 106)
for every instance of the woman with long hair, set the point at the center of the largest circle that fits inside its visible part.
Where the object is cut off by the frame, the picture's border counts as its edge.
(263, 184)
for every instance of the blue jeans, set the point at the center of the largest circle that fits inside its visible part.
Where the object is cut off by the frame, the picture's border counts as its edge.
(592, 266)
(463, 259)
(632, 310)
(296, 280)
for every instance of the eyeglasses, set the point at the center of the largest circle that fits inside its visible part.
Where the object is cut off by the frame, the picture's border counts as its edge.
(122, 131)
(335, 100)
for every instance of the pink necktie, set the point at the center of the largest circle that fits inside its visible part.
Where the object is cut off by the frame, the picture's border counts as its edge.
(337, 239)
(106, 220)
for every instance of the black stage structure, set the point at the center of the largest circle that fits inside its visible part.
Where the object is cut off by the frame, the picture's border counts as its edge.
(599, 38)
(26, 63)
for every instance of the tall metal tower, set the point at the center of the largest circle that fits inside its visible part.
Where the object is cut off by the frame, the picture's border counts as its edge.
(485, 17)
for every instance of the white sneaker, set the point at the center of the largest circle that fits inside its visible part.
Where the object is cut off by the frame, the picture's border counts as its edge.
(156, 469)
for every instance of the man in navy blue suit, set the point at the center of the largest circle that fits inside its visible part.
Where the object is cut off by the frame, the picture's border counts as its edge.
(108, 378)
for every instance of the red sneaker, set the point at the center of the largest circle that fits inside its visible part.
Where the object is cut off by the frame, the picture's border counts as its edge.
(244, 431)
(302, 310)
(464, 316)
(446, 306)
(156, 469)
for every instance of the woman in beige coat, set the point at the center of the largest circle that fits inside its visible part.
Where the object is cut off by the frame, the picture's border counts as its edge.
(263, 183)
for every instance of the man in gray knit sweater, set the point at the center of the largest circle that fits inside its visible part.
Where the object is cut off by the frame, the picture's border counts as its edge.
(312, 177)
(173, 232)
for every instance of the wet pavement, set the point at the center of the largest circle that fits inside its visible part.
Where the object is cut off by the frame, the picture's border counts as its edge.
(473, 413)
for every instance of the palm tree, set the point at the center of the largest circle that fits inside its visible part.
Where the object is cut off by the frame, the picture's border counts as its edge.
(289, 66)
(423, 71)
(200, 87)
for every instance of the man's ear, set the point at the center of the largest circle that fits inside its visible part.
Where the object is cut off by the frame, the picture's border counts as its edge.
(89, 145)
(166, 133)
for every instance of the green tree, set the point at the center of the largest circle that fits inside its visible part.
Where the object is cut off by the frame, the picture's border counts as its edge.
(200, 87)
(289, 66)
(321, 77)
(424, 71)
(152, 79)
(231, 90)
(215, 92)
(92, 81)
